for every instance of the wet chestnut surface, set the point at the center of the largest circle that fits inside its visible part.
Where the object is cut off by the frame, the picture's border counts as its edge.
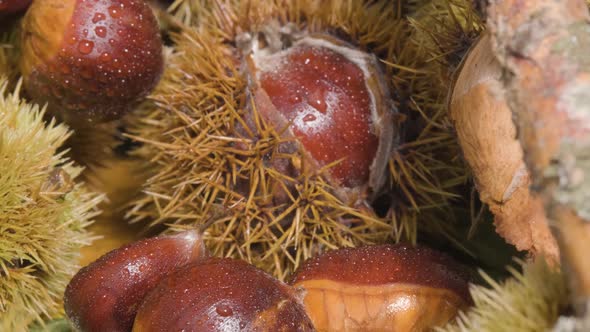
(325, 98)
(221, 295)
(105, 295)
(98, 62)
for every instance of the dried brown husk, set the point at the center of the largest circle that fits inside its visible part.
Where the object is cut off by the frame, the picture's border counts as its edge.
(487, 135)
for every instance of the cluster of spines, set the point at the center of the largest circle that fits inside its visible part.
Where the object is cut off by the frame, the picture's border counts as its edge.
(190, 136)
(530, 300)
(44, 214)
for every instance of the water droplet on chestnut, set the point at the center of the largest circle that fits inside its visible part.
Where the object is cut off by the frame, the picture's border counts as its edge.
(105, 295)
(221, 295)
(382, 288)
(98, 17)
(100, 31)
(77, 38)
(85, 47)
(115, 11)
(224, 310)
(334, 100)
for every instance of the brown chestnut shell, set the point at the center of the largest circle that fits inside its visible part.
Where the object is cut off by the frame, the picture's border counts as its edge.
(105, 295)
(90, 60)
(385, 287)
(221, 295)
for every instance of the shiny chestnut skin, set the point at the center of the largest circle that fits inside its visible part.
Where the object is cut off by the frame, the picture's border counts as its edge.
(221, 295)
(333, 99)
(105, 295)
(13, 6)
(382, 288)
(324, 113)
(91, 60)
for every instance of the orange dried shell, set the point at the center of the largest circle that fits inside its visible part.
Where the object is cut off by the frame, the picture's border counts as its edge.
(378, 288)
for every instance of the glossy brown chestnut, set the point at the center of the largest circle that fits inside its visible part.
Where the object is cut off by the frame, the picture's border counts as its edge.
(105, 295)
(91, 60)
(382, 288)
(333, 99)
(221, 295)
(13, 6)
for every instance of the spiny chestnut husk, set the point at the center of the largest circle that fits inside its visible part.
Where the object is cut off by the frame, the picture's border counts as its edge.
(105, 295)
(487, 135)
(331, 97)
(382, 288)
(90, 60)
(44, 213)
(221, 295)
(269, 205)
(531, 299)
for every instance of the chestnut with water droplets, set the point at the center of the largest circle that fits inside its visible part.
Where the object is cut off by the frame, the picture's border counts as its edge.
(13, 6)
(382, 288)
(334, 100)
(91, 60)
(221, 295)
(105, 295)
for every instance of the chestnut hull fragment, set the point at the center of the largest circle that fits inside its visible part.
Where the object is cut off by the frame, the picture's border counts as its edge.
(487, 135)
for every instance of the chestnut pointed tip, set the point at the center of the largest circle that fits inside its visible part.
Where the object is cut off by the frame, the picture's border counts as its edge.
(194, 240)
(105, 295)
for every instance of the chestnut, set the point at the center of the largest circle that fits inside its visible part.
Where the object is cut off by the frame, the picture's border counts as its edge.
(219, 294)
(90, 60)
(332, 98)
(382, 288)
(13, 6)
(105, 295)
